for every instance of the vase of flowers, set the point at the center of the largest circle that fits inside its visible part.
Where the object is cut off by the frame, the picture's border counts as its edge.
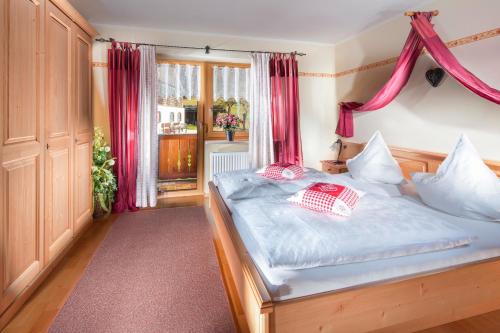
(103, 179)
(230, 135)
(229, 123)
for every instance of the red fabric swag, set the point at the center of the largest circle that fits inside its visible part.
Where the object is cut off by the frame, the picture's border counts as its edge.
(285, 109)
(422, 34)
(447, 60)
(399, 77)
(123, 92)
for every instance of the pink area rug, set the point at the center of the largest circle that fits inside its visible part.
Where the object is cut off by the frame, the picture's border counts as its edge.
(156, 271)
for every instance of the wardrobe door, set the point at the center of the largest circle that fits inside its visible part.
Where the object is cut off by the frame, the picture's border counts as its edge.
(58, 132)
(83, 129)
(21, 149)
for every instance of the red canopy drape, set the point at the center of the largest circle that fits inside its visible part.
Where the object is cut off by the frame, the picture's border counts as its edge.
(123, 90)
(422, 34)
(285, 108)
(447, 60)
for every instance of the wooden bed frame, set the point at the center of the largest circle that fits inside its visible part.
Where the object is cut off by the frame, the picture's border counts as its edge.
(397, 305)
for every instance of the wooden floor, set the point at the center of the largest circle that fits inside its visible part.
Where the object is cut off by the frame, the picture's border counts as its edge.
(38, 313)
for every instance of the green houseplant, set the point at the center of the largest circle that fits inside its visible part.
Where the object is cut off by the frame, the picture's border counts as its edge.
(103, 179)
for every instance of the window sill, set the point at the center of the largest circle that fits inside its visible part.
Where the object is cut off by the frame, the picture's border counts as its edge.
(220, 142)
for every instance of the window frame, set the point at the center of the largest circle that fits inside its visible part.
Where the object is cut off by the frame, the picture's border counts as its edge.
(210, 134)
(206, 96)
(199, 124)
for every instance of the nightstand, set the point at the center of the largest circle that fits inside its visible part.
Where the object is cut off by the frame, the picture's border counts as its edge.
(332, 167)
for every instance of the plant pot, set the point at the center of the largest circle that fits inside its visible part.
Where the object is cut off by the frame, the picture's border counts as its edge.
(99, 212)
(230, 135)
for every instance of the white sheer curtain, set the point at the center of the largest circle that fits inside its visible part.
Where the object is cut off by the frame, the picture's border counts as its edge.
(261, 135)
(235, 83)
(179, 81)
(147, 166)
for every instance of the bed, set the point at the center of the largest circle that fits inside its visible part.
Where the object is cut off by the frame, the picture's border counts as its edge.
(393, 294)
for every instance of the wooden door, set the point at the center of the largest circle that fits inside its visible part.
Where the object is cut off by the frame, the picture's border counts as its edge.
(58, 132)
(83, 129)
(21, 147)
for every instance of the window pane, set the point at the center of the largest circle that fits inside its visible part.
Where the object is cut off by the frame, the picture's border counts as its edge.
(178, 104)
(178, 98)
(231, 92)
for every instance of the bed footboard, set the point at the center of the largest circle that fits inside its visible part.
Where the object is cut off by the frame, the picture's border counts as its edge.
(250, 301)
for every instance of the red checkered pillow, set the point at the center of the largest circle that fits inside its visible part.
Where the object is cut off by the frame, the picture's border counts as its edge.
(281, 171)
(328, 198)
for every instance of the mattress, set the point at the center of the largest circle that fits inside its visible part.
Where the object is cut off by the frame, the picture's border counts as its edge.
(284, 284)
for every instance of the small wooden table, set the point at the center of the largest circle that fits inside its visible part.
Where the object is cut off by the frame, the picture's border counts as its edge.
(333, 167)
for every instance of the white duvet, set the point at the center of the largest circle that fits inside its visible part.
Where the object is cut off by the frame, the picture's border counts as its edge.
(247, 184)
(382, 226)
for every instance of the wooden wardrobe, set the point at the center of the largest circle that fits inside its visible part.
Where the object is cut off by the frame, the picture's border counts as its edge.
(46, 141)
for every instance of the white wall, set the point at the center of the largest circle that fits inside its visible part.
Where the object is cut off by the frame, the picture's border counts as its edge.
(317, 103)
(423, 117)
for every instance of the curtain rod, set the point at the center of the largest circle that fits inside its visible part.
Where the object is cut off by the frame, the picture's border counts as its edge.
(206, 48)
(433, 13)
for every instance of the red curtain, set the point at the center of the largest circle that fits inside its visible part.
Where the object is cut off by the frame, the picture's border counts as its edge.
(285, 108)
(443, 56)
(123, 91)
(422, 34)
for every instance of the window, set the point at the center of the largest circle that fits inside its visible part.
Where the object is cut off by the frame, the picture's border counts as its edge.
(228, 90)
(179, 96)
(184, 88)
(191, 93)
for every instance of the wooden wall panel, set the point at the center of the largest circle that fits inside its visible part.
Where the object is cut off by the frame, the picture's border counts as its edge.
(22, 227)
(45, 66)
(58, 132)
(83, 66)
(83, 193)
(22, 231)
(83, 129)
(21, 148)
(58, 217)
(59, 73)
(22, 116)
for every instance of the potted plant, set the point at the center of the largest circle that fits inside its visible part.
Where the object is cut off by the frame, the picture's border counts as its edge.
(103, 179)
(229, 123)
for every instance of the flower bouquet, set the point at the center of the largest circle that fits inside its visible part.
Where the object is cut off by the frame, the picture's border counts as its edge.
(229, 123)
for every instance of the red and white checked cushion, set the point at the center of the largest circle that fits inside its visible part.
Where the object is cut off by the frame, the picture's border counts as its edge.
(327, 198)
(281, 171)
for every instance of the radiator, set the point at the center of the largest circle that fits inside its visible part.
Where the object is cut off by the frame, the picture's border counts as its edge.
(228, 161)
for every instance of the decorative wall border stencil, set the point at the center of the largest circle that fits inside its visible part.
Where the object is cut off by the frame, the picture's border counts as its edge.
(451, 44)
(99, 64)
(312, 74)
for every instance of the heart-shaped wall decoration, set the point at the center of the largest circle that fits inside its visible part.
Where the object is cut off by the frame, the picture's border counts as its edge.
(434, 76)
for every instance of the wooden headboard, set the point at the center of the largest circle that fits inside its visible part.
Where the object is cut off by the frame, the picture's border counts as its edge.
(410, 160)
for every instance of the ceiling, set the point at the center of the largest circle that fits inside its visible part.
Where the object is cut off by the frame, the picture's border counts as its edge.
(324, 21)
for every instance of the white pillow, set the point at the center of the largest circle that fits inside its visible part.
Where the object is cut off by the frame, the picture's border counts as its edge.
(375, 163)
(463, 185)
